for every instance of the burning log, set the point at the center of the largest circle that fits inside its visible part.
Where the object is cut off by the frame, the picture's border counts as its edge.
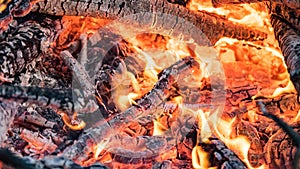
(161, 91)
(13, 160)
(295, 4)
(280, 138)
(56, 98)
(287, 13)
(126, 149)
(25, 43)
(217, 155)
(213, 26)
(38, 142)
(289, 42)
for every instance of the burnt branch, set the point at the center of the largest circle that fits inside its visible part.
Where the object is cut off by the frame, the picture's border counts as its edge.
(289, 42)
(289, 14)
(56, 98)
(290, 3)
(288, 129)
(221, 156)
(161, 91)
(212, 26)
(11, 159)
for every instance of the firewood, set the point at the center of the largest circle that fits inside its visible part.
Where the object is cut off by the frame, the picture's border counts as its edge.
(287, 13)
(17, 162)
(283, 142)
(219, 155)
(8, 111)
(214, 27)
(161, 91)
(139, 147)
(295, 4)
(289, 42)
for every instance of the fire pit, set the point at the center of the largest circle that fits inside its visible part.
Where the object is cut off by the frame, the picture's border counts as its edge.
(149, 84)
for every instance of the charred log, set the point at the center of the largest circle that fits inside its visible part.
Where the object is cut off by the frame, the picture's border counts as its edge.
(214, 27)
(13, 160)
(220, 156)
(289, 42)
(292, 134)
(289, 14)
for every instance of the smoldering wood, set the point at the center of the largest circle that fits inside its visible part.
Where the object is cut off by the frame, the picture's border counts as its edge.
(8, 112)
(212, 26)
(11, 159)
(35, 118)
(289, 14)
(39, 142)
(295, 4)
(294, 135)
(220, 156)
(289, 42)
(57, 98)
(161, 91)
(127, 148)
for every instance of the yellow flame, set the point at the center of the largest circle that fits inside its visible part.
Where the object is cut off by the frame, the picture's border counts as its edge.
(100, 147)
(200, 158)
(289, 88)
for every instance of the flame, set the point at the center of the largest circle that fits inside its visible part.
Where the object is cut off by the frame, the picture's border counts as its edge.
(158, 52)
(297, 118)
(200, 158)
(73, 124)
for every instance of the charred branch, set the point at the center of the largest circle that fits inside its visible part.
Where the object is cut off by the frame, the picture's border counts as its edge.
(289, 130)
(161, 91)
(17, 162)
(289, 42)
(285, 12)
(220, 156)
(212, 26)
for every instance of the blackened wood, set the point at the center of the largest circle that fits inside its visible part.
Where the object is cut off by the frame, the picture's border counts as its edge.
(294, 135)
(10, 159)
(56, 98)
(220, 156)
(160, 92)
(214, 27)
(292, 16)
(280, 150)
(289, 42)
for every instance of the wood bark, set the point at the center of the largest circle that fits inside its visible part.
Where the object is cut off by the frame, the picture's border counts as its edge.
(212, 26)
(289, 42)
(295, 4)
(220, 156)
(289, 14)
